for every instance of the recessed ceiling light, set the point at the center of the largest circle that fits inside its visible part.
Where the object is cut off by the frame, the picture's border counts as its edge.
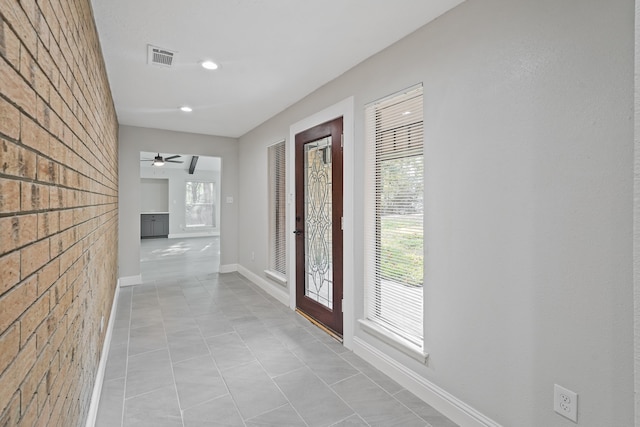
(186, 109)
(209, 65)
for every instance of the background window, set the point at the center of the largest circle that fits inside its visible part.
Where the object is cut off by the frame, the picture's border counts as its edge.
(394, 234)
(199, 204)
(277, 209)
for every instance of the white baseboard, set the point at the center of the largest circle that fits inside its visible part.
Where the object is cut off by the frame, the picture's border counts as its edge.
(278, 292)
(199, 234)
(130, 280)
(228, 268)
(452, 407)
(97, 386)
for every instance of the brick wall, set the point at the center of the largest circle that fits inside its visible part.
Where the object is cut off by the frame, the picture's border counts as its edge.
(58, 210)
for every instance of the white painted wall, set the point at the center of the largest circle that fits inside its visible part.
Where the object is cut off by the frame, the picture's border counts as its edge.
(133, 140)
(529, 147)
(176, 179)
(154, 194)
(636, 218)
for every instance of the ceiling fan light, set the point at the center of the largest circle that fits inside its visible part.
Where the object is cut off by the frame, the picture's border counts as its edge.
(158, 160)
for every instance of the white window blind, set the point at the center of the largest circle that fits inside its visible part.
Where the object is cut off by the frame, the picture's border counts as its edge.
(277, 208)
(394, 227)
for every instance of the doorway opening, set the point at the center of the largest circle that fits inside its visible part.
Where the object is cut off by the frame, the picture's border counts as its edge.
(179, 215)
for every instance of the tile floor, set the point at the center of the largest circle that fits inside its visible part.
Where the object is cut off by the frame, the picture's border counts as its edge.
(215, 350)
(196, 256)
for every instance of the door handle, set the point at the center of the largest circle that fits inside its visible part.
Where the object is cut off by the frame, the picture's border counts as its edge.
(297, 232)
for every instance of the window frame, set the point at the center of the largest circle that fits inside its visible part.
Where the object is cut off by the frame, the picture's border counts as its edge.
(379, 149)
(277, 212)
(213, 204)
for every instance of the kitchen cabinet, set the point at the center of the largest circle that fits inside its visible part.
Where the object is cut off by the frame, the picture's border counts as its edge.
(154, 225)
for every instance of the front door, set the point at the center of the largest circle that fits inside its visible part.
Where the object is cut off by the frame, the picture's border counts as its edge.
(318, 157)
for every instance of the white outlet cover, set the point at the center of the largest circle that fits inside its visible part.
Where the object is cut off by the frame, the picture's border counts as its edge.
(565, 402)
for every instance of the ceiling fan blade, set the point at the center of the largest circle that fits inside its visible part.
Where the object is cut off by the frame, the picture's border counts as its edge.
(146, 160)
(173, 161)
(172, 157)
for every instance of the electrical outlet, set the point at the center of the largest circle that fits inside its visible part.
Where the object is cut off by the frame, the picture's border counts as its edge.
(565, 402)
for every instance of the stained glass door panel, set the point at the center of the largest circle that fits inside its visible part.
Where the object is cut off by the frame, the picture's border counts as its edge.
(318, 221)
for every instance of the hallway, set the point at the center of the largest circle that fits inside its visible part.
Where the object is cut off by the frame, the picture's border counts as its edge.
(215, 350)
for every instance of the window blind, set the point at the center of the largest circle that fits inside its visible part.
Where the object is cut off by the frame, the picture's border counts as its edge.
(394, 227)
(277, 208)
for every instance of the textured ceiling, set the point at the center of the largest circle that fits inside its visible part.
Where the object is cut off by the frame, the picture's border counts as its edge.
(271, 54)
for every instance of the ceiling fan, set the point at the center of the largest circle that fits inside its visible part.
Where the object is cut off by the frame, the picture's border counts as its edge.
(159, 160)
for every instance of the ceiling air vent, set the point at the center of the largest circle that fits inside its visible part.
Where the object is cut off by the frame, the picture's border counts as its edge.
(160, 56)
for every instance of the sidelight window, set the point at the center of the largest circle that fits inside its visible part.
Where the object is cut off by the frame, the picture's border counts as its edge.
(394, 227)
(277, 211)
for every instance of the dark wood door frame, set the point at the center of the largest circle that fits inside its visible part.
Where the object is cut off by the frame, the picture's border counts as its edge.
(333, 318)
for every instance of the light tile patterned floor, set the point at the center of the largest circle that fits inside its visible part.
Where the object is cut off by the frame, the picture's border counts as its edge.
(215, 350)
(161, 258)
